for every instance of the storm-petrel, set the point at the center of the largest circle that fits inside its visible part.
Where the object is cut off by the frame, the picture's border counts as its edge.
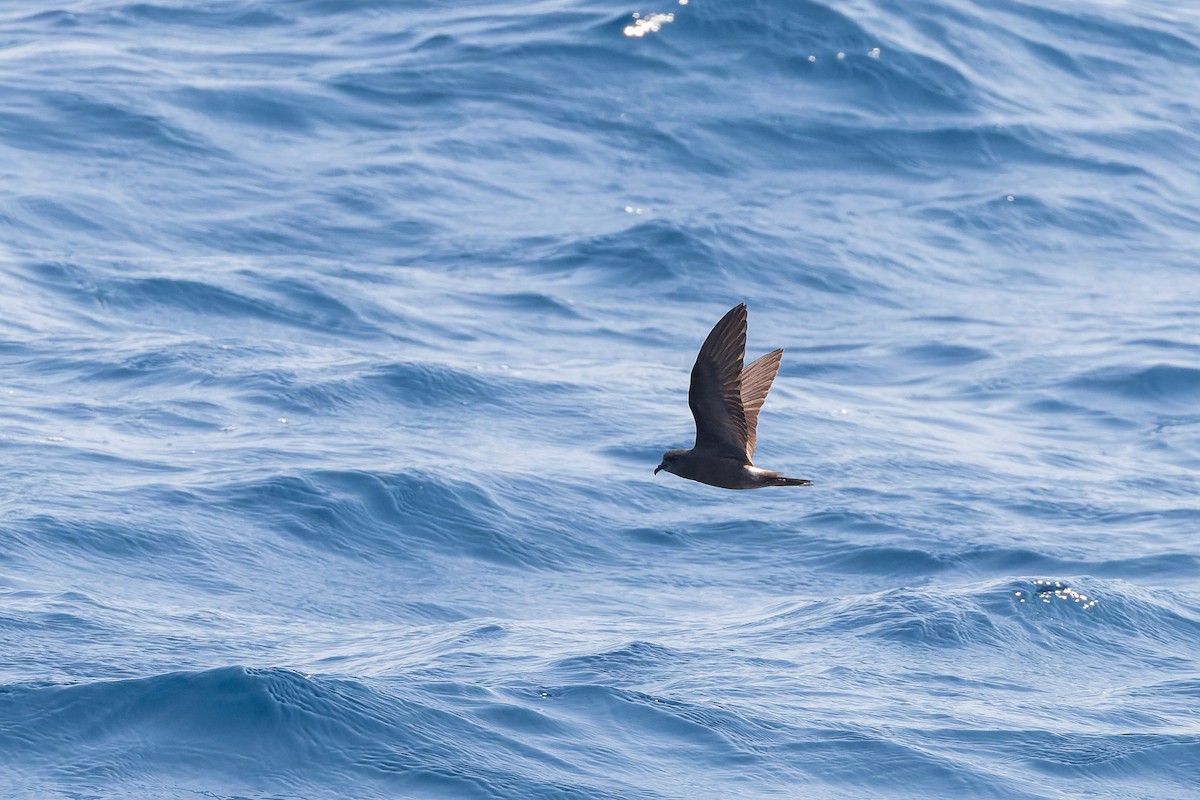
(725, 401)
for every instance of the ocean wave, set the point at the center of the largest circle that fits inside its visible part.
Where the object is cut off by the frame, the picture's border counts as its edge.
(340, 341)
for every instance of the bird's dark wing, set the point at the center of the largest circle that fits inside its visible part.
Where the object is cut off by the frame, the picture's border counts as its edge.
(756, 382)
(715, 395)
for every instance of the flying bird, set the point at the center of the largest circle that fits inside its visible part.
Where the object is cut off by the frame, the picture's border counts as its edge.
(725, 399)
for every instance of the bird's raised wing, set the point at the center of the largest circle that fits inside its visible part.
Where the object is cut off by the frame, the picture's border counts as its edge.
(756, 382)
(715, 395)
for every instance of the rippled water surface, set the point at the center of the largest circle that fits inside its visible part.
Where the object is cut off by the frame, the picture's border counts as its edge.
(339, 340)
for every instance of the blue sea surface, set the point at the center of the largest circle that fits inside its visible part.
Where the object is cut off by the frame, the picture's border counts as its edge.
(339, 340)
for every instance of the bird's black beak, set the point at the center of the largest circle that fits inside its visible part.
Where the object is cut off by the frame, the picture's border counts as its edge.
(656, 469)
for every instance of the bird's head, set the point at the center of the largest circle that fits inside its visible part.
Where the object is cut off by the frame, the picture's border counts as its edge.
(669, 460)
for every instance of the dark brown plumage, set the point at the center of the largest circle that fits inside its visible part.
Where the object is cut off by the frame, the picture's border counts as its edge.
(725, 399)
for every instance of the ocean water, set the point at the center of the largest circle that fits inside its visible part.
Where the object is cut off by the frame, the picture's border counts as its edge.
(339, 340)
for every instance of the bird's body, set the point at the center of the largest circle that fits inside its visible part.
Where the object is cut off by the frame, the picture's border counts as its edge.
(725, 399)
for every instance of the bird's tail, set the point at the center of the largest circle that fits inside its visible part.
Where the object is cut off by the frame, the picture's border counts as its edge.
(782, 481)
